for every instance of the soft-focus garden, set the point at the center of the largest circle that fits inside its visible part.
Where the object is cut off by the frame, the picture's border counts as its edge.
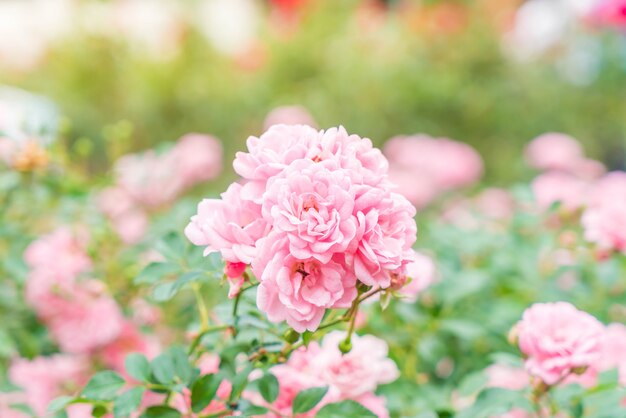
(313, 208)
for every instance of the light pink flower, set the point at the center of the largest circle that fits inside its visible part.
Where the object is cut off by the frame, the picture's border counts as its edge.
(605, 217)
(507, 377)
(386, 232)
(297, 291)
(610, 13)
(435, 166)
(229, 225)
(61, 251)
(554, 151)
(489, 209)
(45, 378)
(553, 187)
(420, 274)
(289, 115)
(199, 158)
(613, 349)
(312, 204)
(557, 338)
(360, 371)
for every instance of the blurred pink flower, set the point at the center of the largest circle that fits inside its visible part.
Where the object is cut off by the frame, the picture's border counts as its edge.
(555, 151)
(234, 273)
(45, 378)
(229, 225)
(62, 251)
(129, 340)
(610, 13)
(436, 165)
(507, 377)
(553, 187)
(289, 115)
(199, 158)
(605, 216)
(421, 273)
(491, 208)
(557, 339)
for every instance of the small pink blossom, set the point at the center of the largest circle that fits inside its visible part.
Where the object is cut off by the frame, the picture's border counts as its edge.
(129, 340)
(45, 378)
(229, 225)
(557, 338)
(234, 273)
(289, 115)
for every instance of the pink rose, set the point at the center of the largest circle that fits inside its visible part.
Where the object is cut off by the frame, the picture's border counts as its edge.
(312, 205)
(420, 274)
(229, 225)
(234, 273)
(610, 13)
(297, 291)
(554, 151)
(289, 115)
(507, 377)
(129, 340)
(557, 338)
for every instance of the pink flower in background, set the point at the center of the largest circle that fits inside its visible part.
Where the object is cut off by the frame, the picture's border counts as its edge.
(507, 377)
(45, 378)
(613, 349)
(354, 375)
(129, 340)
(420, 273)
(289, 115)
(610, 13)
(555, 151)
(557, 338)
(229, 225)
(199, 158)
(297, 291)
(491, 208)
(61, 251)
(435, 165)
(553, 187)
(312, 205)
(605, 217)
(358, 372)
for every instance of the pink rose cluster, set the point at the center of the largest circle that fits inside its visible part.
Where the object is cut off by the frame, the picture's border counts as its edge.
(313, 215)
(610, 13)
(147, 181)
(352, 376)
(560, 341)
(425, 168)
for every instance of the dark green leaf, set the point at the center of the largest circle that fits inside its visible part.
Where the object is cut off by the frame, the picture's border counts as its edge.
(203, 391)
(239, 383)
(59, 403)
(99, 411)
(154, 272)
(160, 412)
(268, 387)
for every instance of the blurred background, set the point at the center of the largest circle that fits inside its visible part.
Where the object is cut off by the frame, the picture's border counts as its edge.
(128, 75)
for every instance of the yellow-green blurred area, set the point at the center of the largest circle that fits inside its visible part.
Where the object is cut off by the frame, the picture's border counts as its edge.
(380, 68)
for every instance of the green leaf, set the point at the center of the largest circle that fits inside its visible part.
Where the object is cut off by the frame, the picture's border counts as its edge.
(138, 367)
(268, 387)
(163, 368)
(103, 386)
(203, 391)
(239, 383)
(165, 291)
(248, 409)
(99, 411)
(128, 402)
(308, 399)
(345, 409)
(160, 412)
(182, 368)
(154, 272)
(59, 403)
(23, 408)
